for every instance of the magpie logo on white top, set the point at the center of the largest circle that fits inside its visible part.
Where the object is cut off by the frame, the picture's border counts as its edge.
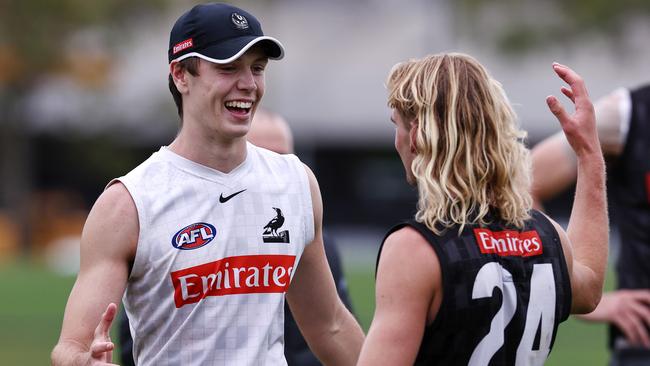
(271, 234)
(239, 21)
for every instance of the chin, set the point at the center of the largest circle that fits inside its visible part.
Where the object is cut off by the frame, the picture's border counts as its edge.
(411, 181)
(241, 131)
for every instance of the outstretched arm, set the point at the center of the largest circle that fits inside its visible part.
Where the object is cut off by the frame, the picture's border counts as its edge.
(329, 328)
(588, 228)
(108, 241)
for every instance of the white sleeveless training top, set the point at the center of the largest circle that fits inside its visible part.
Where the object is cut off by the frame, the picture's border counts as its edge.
(215, 256)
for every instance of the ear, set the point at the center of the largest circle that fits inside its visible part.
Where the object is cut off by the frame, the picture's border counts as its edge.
(179, 76)
(413, 134)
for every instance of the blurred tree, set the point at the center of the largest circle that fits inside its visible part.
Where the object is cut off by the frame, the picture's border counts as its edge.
(35, 38)
(528, 24)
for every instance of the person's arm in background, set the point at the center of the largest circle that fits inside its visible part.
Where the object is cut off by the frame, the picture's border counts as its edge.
(555, 169)
(336, 266)
(108, 241)
(554, 162)
(124, 339)
(329, 328)
(296, 350)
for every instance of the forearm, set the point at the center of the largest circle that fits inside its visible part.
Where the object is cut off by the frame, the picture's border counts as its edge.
(390, 343)
(588, 227)
(594, 316)
(603, 312)
(341, 343)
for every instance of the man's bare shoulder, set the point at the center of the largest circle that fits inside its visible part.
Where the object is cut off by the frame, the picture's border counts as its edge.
(407, 238)
(113, 221)
(310, 175)
(407, 244)
(612, 121)
(117, 197)
(409, 275)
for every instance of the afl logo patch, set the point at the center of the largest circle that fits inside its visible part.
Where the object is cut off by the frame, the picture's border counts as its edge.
(194, 236)
(239, 21)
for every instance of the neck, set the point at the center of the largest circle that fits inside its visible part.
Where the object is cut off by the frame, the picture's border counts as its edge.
(219, 154)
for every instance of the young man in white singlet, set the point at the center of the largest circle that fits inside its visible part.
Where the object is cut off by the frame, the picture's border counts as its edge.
(202, 240)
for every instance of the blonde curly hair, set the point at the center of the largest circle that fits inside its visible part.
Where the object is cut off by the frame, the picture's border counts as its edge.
(470, 160)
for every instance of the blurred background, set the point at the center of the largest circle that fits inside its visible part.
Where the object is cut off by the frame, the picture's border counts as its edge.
(84, 98)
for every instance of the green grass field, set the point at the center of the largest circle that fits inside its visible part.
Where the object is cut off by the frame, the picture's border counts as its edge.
(33, 300)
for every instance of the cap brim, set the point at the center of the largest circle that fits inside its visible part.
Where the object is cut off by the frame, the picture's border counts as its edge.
(229, 51)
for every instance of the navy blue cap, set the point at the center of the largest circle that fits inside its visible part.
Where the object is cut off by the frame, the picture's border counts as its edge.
(219, 33)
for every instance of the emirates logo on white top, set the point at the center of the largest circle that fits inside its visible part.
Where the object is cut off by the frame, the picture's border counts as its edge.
(246, 274)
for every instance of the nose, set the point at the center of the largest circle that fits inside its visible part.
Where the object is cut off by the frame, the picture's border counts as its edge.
(247, 81)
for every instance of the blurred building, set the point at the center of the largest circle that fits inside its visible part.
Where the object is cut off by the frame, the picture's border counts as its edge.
(113, 108)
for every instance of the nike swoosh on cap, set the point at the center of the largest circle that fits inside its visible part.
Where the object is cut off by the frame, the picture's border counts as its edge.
(223, 199)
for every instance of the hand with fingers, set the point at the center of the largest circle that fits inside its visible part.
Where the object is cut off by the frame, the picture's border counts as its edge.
(101, 348)
(579, 127)
(629, 311)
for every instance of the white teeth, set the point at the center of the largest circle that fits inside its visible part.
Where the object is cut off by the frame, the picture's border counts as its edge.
(236, 104)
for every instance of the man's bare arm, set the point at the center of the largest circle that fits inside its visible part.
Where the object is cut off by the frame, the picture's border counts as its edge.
(588, 230)
(554, 170)
(404, 299)
(329, 328)
(108, 242)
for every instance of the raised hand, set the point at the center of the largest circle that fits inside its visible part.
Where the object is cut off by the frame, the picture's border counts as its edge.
(579, 127)
(588, 227)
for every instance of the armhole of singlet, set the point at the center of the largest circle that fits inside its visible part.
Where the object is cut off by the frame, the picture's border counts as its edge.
(434, 242)
(381, 246)
(137, 257)
(548, 225)
(309, 226)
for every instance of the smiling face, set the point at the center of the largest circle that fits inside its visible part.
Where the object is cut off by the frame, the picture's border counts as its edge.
(221, 99)
(404, 128)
